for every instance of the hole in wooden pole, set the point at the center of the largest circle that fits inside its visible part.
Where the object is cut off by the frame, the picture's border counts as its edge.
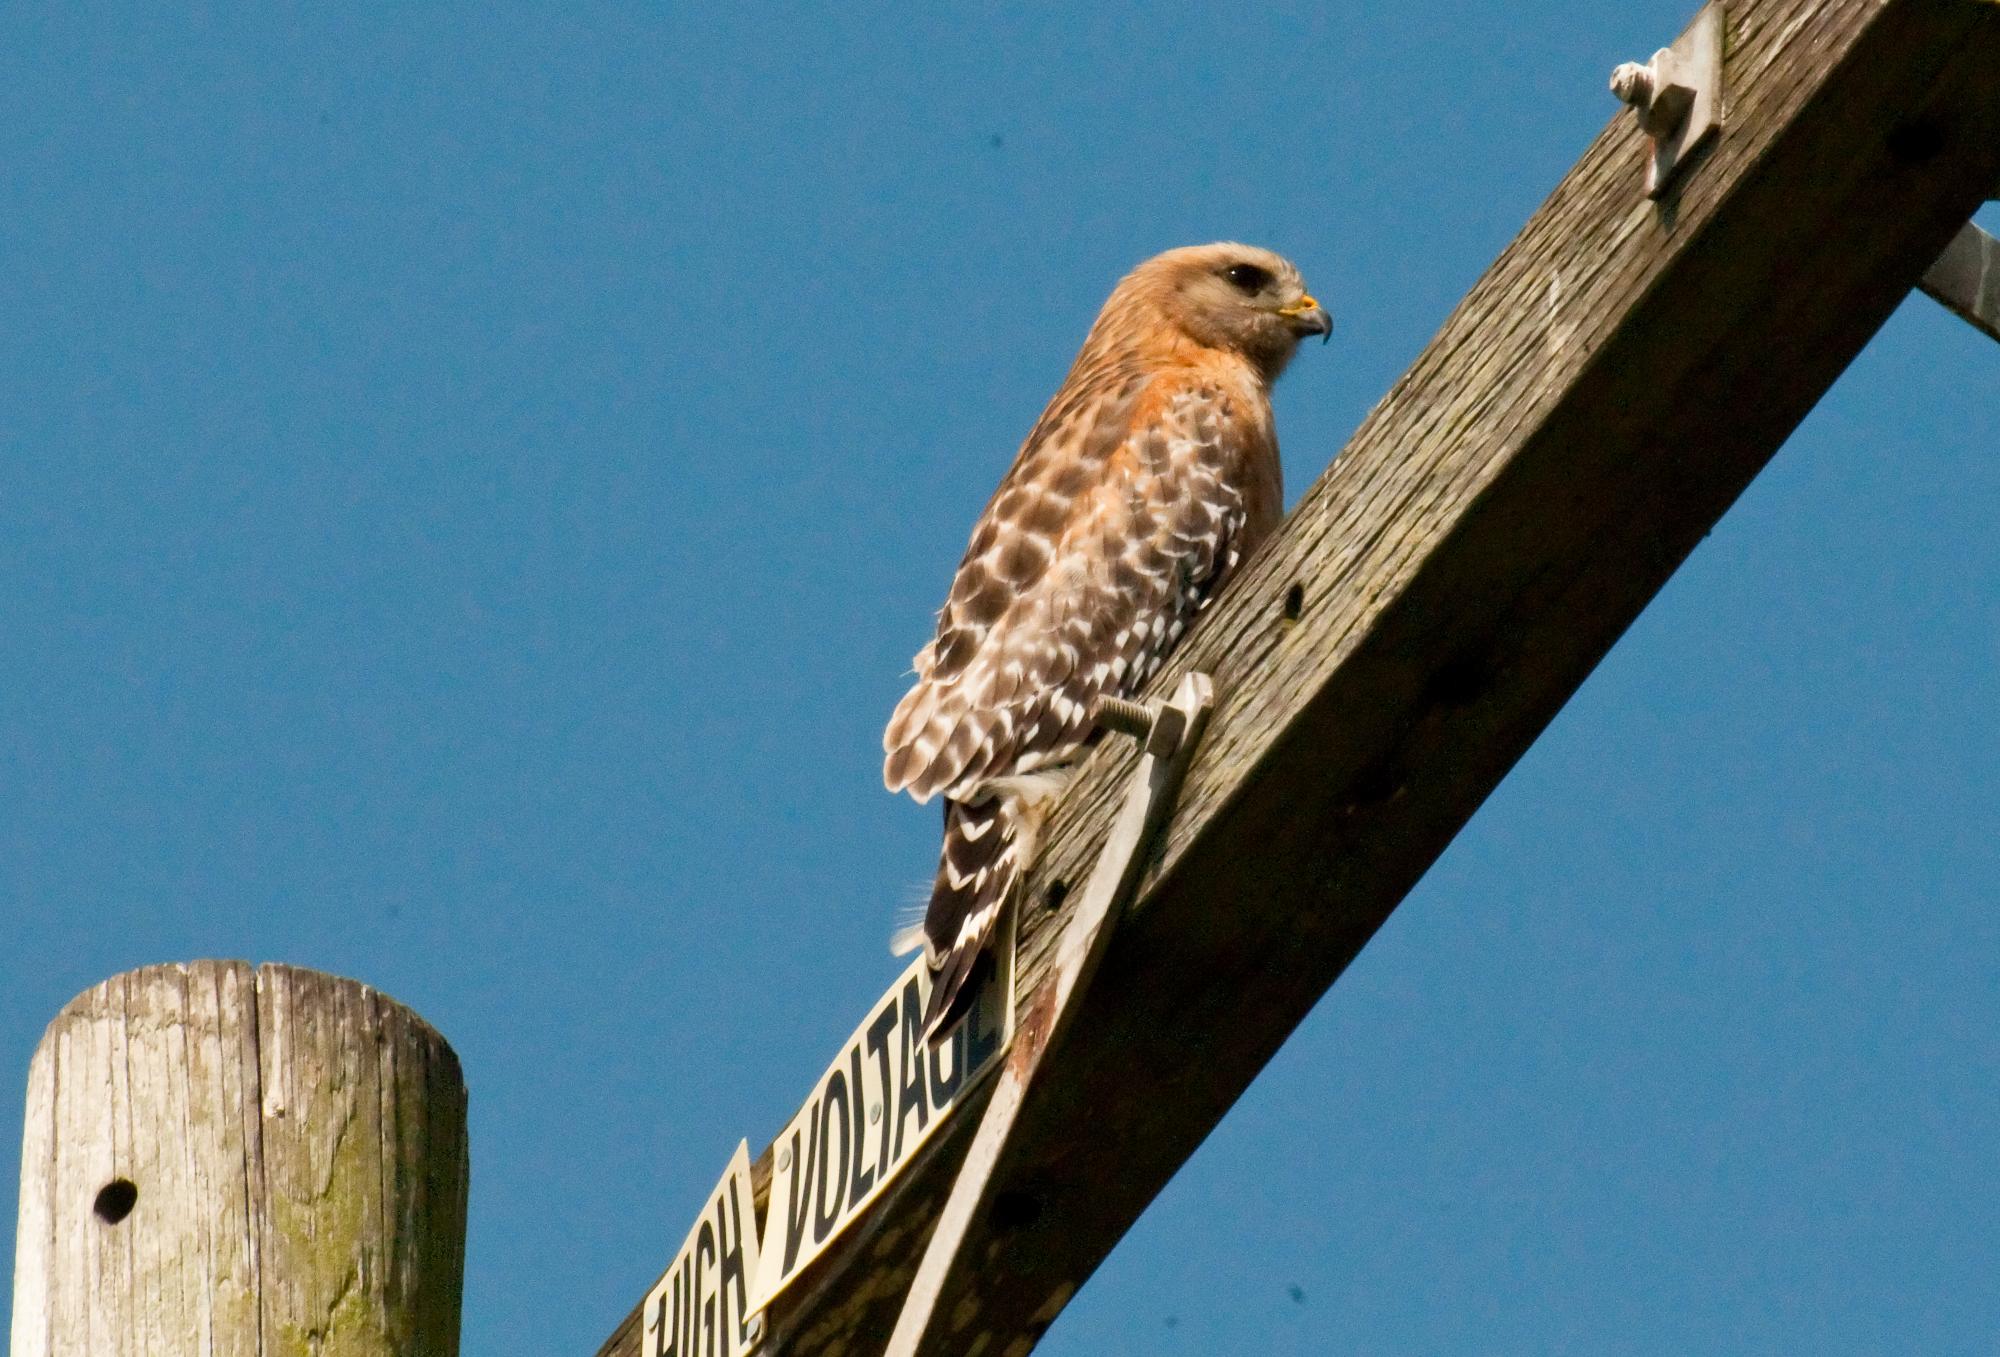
(1460, 682)
(1053, 897)
(1016, 1210)
(1378, 782)
(1295, 603)
(1914, 143)
(115, 1200)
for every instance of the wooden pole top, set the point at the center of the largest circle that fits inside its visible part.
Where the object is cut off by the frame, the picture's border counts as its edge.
(227, 1159)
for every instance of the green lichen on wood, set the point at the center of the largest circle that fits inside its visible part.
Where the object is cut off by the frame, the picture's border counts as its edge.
(324, 1244)
(371, 1228)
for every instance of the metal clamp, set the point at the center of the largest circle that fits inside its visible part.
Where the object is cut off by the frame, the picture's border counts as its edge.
(1678, 95)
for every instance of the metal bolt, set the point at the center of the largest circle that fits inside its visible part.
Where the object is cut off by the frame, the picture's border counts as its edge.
(1633, 83)
(1125, 717)
(784, 1158)
(1661, 99)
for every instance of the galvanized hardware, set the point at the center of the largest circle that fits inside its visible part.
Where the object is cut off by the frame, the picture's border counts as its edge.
(1678, 96)
(1125, 717)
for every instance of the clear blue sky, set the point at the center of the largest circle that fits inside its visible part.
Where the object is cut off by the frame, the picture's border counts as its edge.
(473, 480)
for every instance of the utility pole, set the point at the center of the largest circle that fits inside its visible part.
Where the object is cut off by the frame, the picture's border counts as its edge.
(223, 1160)
(1790, 170)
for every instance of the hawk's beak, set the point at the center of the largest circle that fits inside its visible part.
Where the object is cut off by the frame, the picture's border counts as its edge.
(1308, 317)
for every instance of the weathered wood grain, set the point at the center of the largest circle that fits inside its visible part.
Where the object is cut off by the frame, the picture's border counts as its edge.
(1167, 740)
(1581, 421)
(221, 1159)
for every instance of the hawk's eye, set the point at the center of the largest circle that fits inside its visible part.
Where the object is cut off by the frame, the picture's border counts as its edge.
(1248, 278)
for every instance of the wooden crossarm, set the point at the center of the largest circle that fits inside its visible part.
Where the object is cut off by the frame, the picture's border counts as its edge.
(1581, 421)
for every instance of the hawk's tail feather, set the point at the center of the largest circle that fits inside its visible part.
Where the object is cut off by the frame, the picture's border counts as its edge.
(977, 870)
(906, 939)
(908, 934)
(963, 974)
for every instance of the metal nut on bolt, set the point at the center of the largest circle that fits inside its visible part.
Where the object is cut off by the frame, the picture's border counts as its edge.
(1633, 83)
(1662, 102)
(1677, 95)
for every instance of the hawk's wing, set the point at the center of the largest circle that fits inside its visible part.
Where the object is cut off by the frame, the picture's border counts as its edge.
(1121, 516)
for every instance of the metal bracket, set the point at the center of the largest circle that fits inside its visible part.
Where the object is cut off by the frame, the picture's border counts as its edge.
(1171, 732)
(1966, 279)
(1678, 95)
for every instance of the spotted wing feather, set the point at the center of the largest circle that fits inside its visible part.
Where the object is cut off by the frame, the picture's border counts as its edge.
(1123, 514)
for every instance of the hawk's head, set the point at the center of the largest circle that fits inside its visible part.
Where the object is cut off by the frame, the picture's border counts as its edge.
(1230, 296)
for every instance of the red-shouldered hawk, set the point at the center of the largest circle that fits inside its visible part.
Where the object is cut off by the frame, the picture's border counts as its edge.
(1152, 472)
